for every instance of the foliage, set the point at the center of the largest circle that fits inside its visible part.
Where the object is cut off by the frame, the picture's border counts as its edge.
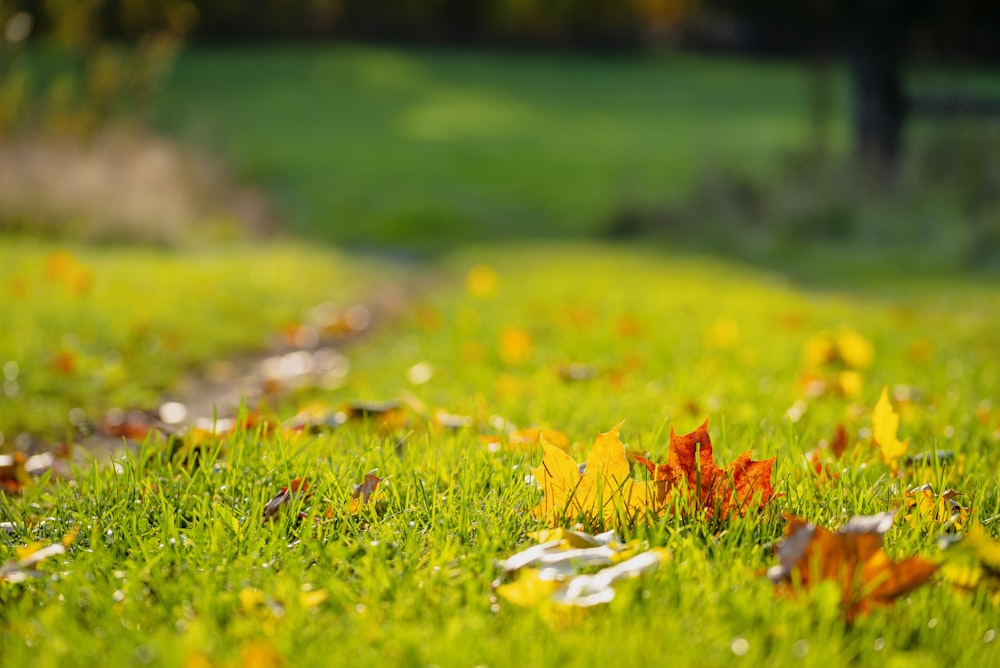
(940, 210)
(91, 79)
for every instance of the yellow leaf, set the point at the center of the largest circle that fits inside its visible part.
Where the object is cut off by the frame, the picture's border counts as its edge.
(481, 281)
(310, 599)
(598, 494)
(251, 599)
(725, 333)
(849, 383)
(972, 561)
(260, 654)
(885, 424)
(559, 477)
(515, 345)
(529, 589)
(855, 350)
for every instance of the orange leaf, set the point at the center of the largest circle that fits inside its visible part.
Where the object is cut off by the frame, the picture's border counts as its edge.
(691, 473)
(853, 557)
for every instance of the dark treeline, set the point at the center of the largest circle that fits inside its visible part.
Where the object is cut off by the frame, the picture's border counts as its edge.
(876, 39)
(963, 29)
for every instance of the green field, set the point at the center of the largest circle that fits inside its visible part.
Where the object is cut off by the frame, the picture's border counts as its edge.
(428, 149)
(173, 566)
(504, 162)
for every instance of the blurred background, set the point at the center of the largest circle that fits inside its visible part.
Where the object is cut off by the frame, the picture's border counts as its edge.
(745, 128)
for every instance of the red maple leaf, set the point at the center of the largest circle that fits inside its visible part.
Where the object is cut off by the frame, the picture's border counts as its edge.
(692, 475)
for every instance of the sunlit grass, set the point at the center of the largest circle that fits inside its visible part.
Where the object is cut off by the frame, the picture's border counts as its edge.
(101, 327)
(173, 565)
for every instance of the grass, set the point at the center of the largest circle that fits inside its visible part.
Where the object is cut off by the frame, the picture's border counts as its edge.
(172, 565)
(102, 327)
(368, 146)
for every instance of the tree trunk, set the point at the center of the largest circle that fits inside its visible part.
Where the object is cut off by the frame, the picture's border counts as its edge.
(879, 102)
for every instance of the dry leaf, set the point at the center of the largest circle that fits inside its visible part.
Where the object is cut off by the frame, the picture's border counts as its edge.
(852, 557)
(922, 504)
(815, 459)
(21, 567)
(298, 488)
(549, 572)
(363, 492)
(885, 425)
(972, 561)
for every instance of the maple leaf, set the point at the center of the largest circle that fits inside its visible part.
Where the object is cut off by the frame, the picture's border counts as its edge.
(852, 557)
(691, 473)
(885, 424)
(603, 493)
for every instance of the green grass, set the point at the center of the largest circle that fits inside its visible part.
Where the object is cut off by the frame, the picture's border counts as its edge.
(131, 321)
(367, 145)
(172, 565)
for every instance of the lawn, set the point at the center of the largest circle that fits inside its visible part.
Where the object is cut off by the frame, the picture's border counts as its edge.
(172, 563)
(367, 145)
(117, 327)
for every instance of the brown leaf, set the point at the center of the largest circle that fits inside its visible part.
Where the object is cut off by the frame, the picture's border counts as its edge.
(14, 474)
(298, 487)
(853, 557)
(363, 492)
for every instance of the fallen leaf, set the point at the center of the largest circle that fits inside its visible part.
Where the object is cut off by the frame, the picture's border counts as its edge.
(529, 589)
(298, 488)
(21, 567)
(533, 436)
(922, 505)
(260, 654)
(363, 492)
(14, 474)
(885, 425)
(852, 557)
(971, 561)
(515, 345)
(387, 416)
(816, 459)
(550, 571)
(603, 494)
(481, 281)
(843, 348)
(692, 476)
